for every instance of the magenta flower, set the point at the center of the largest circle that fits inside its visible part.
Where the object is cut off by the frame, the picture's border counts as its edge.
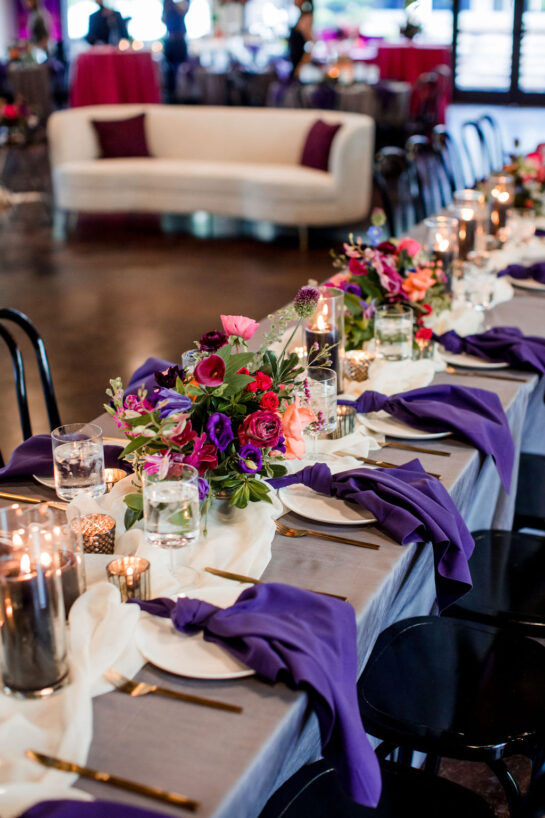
(262, 428)
(158, 464)
(239, 325)
(210, 371)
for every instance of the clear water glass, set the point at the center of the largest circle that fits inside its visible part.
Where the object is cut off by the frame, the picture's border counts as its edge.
(320, 395)
(394, 332)
(171, 508)
(478, 287)
(78, 460)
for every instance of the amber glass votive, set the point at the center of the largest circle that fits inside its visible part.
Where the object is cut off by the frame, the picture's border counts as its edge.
(131, 575)
(97, 532)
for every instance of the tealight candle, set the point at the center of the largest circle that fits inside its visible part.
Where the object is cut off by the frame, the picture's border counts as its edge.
(325, 328)
(470, 217)
(356, 364)
(131, 575)
(502, 192)
(442, 245)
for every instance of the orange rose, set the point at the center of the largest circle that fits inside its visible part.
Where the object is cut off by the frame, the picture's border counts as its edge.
(294, 420)
(418, 283)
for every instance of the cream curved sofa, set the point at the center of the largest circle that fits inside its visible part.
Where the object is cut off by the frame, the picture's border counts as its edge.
(241, 162)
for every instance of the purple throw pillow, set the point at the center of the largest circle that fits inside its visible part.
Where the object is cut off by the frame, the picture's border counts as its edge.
(121, 137)
(318, 145)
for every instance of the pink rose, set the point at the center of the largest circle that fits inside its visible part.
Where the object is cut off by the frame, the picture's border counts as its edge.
(411, 246)
(239, 325)
(262, 428)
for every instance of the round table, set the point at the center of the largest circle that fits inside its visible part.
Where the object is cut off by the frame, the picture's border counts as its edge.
(105, 76)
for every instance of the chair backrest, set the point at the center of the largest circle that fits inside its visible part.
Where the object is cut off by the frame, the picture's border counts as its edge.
(399, 195)
(476, 152)
(22, 321)
(493, 139)
(444, 144)
(432, 181)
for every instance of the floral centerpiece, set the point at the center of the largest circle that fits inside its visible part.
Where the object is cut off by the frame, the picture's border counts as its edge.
(15, 120)
(529, 174)
(235, 417)
(372, 273)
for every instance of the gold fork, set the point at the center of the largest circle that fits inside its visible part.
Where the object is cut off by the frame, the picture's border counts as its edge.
(452, 371)
(142, 689)
(286, 531)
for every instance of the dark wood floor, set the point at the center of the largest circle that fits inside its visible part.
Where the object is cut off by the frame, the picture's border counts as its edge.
(120, 289)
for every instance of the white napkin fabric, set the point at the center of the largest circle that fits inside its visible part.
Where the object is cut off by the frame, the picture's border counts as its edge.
(101, 634)
(510, 253)
(390, 377)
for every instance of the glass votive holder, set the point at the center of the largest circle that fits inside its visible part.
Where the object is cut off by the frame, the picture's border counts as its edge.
(442, 246)
(33, 656)
(501, 194)
(346, 422)
(470, 212)
(356, 364)
(424, 346)
(97, 532)
(78, 460)
(131, 575)
(325, 329)
(394, 332)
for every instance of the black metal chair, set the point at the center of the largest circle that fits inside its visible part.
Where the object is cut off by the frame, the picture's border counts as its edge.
(457, 689)
(314, 792)
(21, 320)
(446, 147)
(430, 177)
(491, 131)
(508, 572)
(476, 152)
(397, 189)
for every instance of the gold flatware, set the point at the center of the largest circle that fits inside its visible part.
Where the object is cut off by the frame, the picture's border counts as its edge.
(286, 531)
(384, 464)
(254, 581)
(116, 441)
(405, 446)
(115, 781)
(142, 689)
(21, 498)
(479, 374)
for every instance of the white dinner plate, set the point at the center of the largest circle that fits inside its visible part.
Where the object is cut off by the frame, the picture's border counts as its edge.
(165, 647)
(45, 481)
(322, 509)
(471, 361)
(527, 283)
(386, 425)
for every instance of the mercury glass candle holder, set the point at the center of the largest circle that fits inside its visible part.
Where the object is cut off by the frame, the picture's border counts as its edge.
(33, 661)
(97, 532)
(131, 575)
(325, 328)
(442, 246)
(357, 363)
(346, 423)
(501, 195)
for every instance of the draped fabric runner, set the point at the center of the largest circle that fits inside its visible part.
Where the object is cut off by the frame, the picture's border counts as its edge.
(411, 506)
(308, 641)
(35, 456)
(535, 271)
(507, 344)
(475, 415)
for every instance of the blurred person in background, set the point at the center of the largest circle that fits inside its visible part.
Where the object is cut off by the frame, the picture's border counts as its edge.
(106, 26)
(300, 37)
(175, 46)
(39, 24)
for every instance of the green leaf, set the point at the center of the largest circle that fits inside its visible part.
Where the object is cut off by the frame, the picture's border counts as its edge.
(277, 469)
(134, 501)
(271, 360)
(135, 444)
(132, 517)
(236, 383)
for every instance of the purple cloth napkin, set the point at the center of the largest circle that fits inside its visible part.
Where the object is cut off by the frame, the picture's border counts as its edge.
(540, 232)
(35, 456)
(535, 271)
(145, 375)
(307, 640)
(499, 344)
(87, 809)
(411, 506)
(475, 415)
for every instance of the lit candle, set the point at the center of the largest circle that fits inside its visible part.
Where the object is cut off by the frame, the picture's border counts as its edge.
(442, 245)
(32, 614)
(467, 232)
(131, 575)
(357, 362)
(97, 532)
(502, 189)
(322, 334)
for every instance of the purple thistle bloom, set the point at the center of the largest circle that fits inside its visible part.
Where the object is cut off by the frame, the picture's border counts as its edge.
(213, 340)
(250, 459)
(305, 301)
(218, 428)
(204, 488)
(175, 402)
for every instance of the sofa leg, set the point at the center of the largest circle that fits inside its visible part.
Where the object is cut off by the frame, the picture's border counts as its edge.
(303, 237)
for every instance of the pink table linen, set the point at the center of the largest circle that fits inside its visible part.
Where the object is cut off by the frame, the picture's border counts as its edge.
(105, 76)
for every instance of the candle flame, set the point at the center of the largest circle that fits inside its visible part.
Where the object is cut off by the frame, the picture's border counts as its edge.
(46, 559)
(25, 564)
(321, 322)
(130, 571)
(441, 243)
(501, 195)
(16, 539)
(466, 214)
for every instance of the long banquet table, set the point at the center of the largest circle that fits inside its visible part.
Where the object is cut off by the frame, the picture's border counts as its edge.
(233, 763)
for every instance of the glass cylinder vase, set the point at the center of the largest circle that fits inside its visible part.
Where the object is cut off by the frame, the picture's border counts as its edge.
(442, 246)
(325, 328)
(501, 194)
(470, 211)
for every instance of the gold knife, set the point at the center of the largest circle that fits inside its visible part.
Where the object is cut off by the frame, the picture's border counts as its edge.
(382, 463)
(405, 446)
(479, 374)
(122, 783)
(254, 581)
(21, 498)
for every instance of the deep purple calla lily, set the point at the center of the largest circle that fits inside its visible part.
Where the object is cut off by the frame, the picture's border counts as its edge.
(210, 371)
